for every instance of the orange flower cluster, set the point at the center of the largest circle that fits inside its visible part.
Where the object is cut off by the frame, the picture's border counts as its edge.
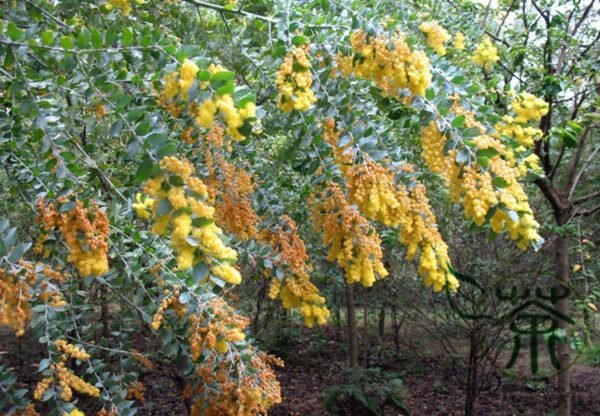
(15, 294)
(295, 289)
(17, 290)
(171, 301)
(389, 62)
(85, 231)
(215, 328)
(136, 391)
(352, 241)
(142, 359)
(231, 189)
(238, 392)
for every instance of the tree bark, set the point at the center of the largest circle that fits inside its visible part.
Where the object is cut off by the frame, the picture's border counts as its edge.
(351, 322)
(365, 335)
(561, 265)
(381, 324)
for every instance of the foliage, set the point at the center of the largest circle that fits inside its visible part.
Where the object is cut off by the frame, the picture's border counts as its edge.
(367, 392)
(160, 154)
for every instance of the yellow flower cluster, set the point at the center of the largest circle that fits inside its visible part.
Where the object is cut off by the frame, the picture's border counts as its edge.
(179, 205)
(485, 188)
(67, 381)
(234, 118)
(371, 187)
(295, 290)
(352, 241)
(525, 135)
(529, 108)
(459, 41)
(215, 330)
(85, 231)
(486, 54)
(437, 36)
(432, 148)
(390, 63)
(205, 113)
(70, 350)
(76, 412)
(123, 5)
(294, 81)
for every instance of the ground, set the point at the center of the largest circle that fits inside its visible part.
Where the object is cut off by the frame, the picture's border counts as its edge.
(315, 360)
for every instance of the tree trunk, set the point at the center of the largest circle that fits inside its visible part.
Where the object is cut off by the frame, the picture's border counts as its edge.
(381, 324)
(472, 375)
(351, 322)
(262, 293)
(561, 265)
(366, 335)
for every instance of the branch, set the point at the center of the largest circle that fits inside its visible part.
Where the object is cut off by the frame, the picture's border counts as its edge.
(587, 212)
(223, 9)
(587, 197)
(541, 12)
(573, 176)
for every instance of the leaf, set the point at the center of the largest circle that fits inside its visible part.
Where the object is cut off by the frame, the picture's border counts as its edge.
(10, 237)
(97, 39)
(127, 36)
(489, 153)
(458, 121)
(201, 222)
(222, 76)
(430, 94)
(185, 297)
(45, 363)
(168, 148)
(67, 42)
(18, 252)
(13, 31)
(144, 171)
(500, 182)
(200, 272)
(3, 249)
(115, 129)
(47, 37)
(163, 207)
(298, 40)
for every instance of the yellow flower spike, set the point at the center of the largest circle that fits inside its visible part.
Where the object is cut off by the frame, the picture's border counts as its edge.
(486, 54)
(143, 206)
(459, 41)
(437, 36)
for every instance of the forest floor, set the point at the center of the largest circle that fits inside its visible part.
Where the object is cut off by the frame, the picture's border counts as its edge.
(315, 360)
(314, 363)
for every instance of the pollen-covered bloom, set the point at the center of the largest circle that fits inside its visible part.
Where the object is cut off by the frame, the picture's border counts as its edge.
(486, 54)
(437, 36)
(294, 81)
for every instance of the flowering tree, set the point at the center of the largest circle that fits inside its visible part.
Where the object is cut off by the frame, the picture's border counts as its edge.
(157, 150)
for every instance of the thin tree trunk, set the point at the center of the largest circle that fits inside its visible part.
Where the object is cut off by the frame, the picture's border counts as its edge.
(351, 322)
(563, 305)
(472, 376)
(262, 293)
(381, 323)
(366, 335)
